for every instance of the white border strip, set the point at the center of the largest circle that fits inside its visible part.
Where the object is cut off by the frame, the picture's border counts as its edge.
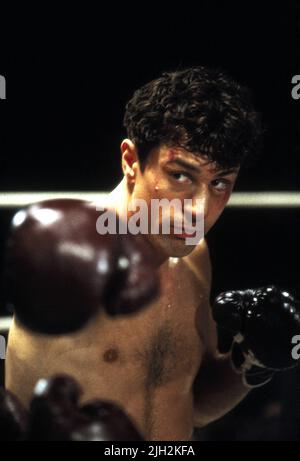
(238, 199)
(5, 323)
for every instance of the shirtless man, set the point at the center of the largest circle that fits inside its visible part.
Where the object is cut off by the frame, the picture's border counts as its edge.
(188, 134)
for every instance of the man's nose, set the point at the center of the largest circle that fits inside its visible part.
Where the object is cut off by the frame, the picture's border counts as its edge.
(199, 208)
(204, 197)
(201, 203)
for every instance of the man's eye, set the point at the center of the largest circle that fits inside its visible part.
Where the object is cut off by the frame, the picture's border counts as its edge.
(181, 177)
(221, 184)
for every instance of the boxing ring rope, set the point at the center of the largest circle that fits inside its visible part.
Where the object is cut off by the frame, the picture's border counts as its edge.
(268, 199)
(5, 323)
(238, 199)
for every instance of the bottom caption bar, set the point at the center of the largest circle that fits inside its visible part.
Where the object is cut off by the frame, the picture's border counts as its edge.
(151, 449)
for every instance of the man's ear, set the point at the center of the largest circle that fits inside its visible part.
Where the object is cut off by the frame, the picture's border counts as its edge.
(129, 159)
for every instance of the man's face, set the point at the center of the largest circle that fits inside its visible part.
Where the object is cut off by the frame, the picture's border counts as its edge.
(174, 173)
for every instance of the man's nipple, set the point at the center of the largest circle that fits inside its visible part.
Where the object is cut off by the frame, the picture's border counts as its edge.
(111, 355)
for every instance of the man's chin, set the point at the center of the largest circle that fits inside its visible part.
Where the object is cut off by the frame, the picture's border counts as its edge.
(181, 249)
(167, 246)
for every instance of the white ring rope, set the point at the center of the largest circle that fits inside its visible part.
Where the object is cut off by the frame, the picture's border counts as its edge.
(5, 323)
(238, 199)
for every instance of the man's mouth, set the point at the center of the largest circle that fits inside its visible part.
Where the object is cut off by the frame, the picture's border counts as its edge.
(184, 235)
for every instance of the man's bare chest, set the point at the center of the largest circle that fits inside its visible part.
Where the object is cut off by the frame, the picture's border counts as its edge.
(159, 345)
(163, 341)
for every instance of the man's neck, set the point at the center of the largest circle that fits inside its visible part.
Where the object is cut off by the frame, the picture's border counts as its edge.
(119, 199)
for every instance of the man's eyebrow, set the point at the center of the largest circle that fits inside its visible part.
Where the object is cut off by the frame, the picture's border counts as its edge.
(186, 164)
(196, 168)
(226, 172)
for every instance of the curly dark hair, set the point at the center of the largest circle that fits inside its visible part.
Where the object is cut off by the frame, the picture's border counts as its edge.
(200, 109)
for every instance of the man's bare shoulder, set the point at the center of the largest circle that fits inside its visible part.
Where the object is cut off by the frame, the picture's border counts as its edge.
(199, 261)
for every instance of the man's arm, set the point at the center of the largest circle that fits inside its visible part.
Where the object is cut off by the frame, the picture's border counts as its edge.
(217, 390)
(217, 387)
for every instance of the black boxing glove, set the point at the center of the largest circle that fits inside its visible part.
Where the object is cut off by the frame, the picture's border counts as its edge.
(59, 270)
(262, 323)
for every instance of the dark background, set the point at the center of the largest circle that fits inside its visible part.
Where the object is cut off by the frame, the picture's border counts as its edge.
(69, 77)
(68, 80)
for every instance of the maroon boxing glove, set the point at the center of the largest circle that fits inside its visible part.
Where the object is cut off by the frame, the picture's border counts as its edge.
(106, 422)
(55, 415)
(13, 417)
(53, 409)
(135, 282)
(60, 271)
